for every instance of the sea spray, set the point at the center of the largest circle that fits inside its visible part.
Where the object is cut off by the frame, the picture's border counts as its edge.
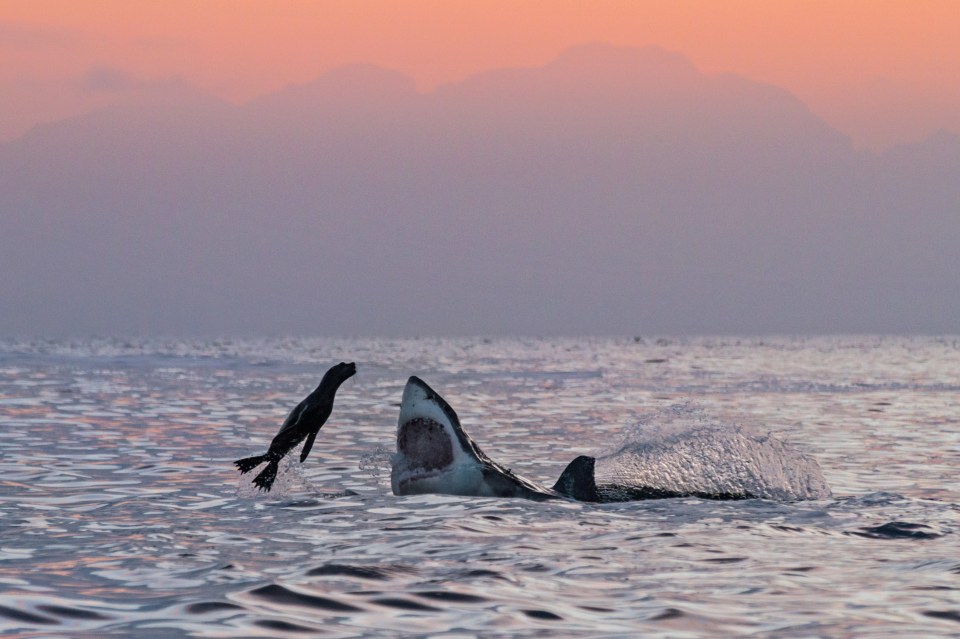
(680, 449)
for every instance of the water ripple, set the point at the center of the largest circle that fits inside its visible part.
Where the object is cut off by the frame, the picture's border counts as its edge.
(121, 515)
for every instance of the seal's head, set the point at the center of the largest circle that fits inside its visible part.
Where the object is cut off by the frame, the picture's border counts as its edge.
(340, 373)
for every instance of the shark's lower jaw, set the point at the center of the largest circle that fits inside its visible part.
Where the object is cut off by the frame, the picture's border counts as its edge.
(418, 481)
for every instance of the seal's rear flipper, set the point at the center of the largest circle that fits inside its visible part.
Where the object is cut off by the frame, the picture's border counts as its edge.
(264, 481)
(577, 480)
(249, 463)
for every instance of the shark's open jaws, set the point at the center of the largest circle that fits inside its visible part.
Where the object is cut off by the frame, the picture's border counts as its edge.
(435, 455)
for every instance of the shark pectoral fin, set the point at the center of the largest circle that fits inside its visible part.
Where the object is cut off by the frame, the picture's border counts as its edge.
(308, 445)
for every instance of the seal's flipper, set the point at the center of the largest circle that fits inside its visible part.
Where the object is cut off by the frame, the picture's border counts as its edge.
(264, 481)
(249, 463)
(308, 445)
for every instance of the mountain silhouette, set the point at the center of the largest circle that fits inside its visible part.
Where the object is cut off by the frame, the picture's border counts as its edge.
(611, 191)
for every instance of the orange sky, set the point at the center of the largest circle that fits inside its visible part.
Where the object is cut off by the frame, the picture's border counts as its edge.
(881, 71)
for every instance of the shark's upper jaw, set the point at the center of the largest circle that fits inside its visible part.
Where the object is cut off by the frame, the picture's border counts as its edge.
(419, 400)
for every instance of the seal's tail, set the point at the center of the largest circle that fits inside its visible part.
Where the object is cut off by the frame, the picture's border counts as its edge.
(249, 463)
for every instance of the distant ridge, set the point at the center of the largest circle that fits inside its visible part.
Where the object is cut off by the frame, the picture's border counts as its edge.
(613, 190)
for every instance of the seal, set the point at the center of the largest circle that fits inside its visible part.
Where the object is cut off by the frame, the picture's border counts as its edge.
(435, 455)
(303, 422)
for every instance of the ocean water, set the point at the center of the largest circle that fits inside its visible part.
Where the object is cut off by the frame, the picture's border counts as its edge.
(121, 513)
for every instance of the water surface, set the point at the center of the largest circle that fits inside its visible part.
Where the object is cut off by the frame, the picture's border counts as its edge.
(121, 514)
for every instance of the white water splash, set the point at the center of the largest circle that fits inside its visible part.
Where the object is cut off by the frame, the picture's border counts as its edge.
(290, 479)
(680, 449)
(377, 462)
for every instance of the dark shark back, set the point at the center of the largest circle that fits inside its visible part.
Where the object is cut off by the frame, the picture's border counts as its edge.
(579, 481)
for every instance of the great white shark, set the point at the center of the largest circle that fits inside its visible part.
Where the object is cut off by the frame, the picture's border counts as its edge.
(435, 455)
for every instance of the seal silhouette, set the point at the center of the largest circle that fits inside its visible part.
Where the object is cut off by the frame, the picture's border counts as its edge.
(303, 422)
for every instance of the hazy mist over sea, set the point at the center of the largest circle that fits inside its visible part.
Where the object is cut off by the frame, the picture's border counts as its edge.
(612, 191)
